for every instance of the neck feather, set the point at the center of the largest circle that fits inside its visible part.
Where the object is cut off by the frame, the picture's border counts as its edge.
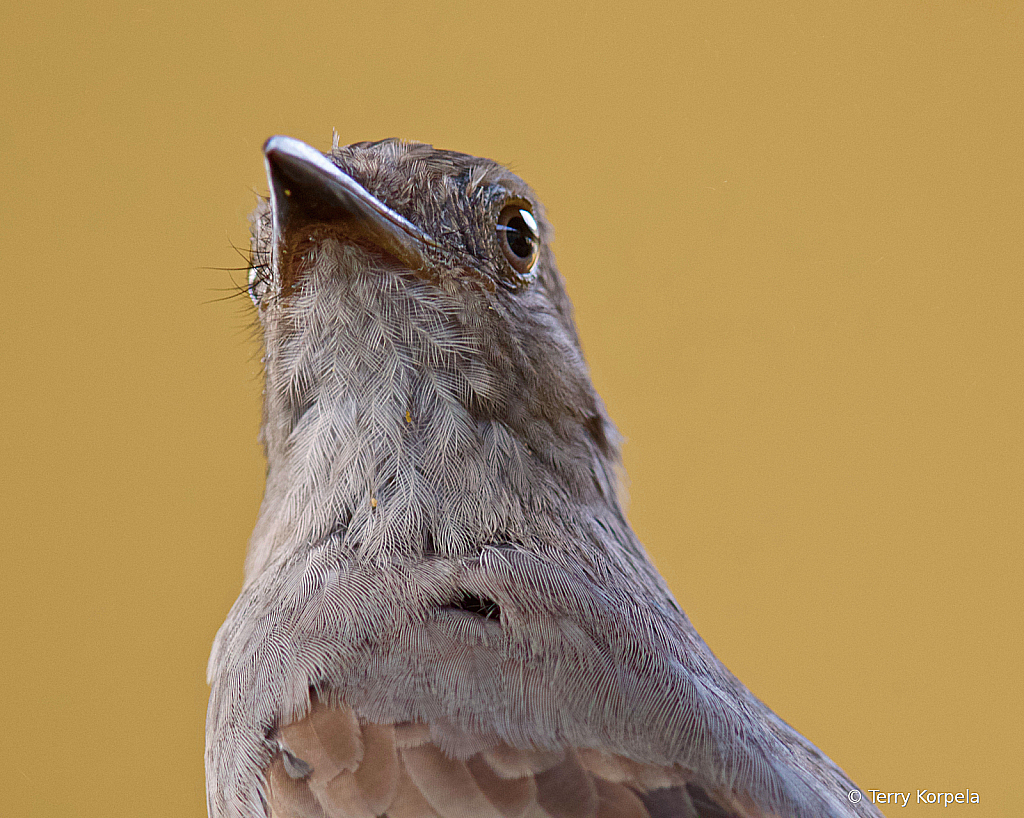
(387, 428)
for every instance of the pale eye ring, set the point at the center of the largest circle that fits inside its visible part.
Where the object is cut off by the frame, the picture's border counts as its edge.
(519, 237)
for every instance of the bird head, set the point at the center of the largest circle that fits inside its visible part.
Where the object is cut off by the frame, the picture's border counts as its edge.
(420, 352)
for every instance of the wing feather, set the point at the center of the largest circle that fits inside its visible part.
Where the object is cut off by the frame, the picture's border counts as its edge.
(361, 769)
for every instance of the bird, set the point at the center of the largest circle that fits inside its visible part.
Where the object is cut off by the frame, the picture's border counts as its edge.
(445, 612)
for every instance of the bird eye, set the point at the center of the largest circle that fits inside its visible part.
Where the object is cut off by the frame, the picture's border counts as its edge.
(519, 237)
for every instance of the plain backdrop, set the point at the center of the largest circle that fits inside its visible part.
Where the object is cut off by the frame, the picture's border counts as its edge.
(793, 235)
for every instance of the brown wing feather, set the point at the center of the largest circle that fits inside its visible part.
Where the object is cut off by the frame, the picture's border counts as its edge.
(512, 796)
(618, 801)
(343, 796)
(447, 784)
(331, 764)
(290, 797)
(377, 775)
(567, 790)
(409, 801)
(328, 739)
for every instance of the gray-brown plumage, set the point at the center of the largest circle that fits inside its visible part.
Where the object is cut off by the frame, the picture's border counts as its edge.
(445, 612)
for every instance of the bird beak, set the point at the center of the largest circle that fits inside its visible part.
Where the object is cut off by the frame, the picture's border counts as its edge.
(307, 188)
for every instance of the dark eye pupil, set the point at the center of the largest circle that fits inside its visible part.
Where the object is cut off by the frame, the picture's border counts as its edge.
(520, 237)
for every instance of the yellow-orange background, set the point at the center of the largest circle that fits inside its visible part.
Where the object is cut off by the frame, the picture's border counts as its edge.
(793, 235)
